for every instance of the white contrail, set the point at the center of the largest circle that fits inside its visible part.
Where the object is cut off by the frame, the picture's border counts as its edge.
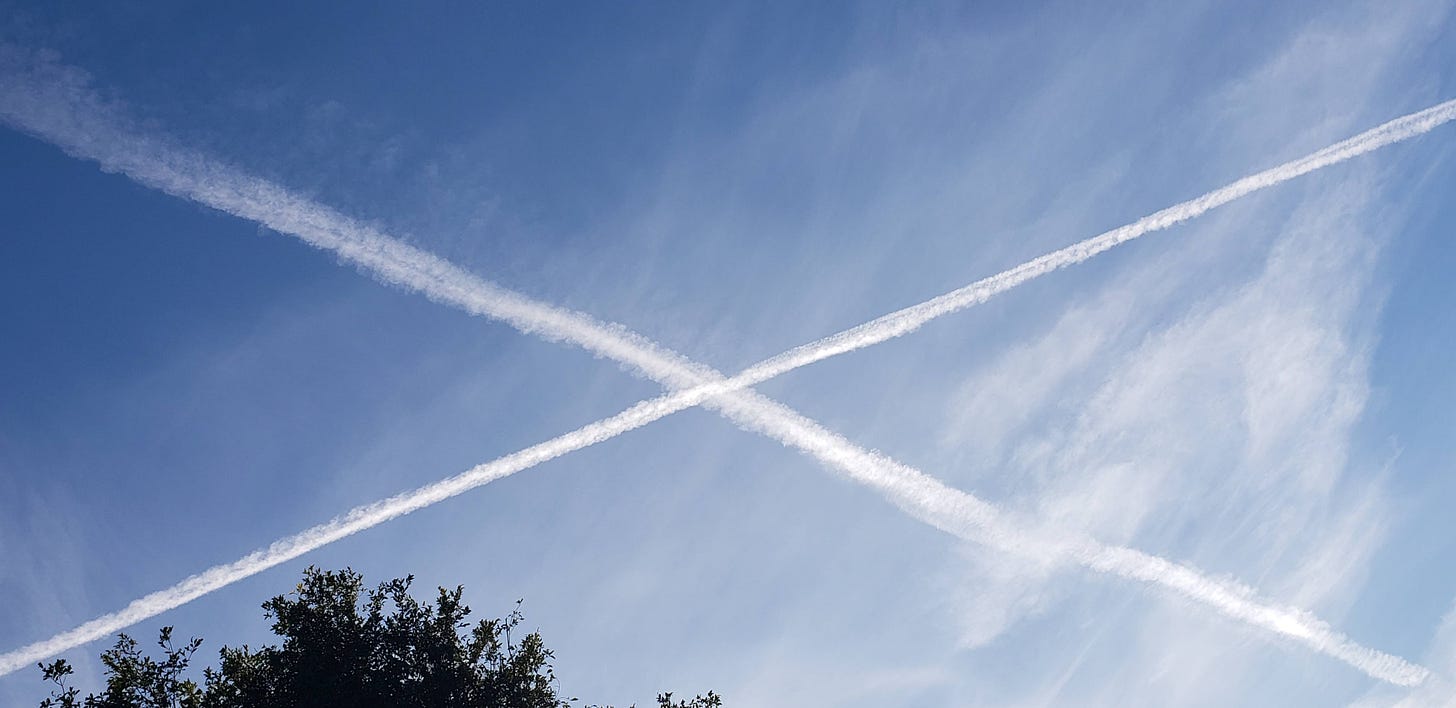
(909, 319)
(54, 103)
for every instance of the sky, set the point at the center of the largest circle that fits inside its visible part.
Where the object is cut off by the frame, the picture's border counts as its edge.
(1261, 392)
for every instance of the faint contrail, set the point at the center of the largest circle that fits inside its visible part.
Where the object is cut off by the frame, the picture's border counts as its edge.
(54, 102)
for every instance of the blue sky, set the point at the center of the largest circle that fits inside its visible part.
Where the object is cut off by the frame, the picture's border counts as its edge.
(1262, 392)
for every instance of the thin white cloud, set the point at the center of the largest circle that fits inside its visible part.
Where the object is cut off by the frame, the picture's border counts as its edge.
(53, 102)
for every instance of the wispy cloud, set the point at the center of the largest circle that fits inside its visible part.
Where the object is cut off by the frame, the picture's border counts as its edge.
(53, 102)
(1173, 438)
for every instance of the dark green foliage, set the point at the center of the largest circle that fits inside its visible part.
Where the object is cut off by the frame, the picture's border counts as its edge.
(382, 649)
(133, 679)
(344, 645)
(712, 700)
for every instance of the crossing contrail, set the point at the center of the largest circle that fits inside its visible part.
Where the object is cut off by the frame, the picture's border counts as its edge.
(55, 103)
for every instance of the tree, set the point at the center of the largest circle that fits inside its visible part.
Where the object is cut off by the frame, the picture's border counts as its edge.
(134, 680)
(344, 645)
(712, 700)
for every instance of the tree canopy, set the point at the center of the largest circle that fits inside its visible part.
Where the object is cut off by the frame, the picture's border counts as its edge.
(344, 645)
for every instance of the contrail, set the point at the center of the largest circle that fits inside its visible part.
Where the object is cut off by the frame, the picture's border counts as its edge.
(909, 319)
(54, 103)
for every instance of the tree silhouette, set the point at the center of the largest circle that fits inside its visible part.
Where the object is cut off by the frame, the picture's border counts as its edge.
(344, 645)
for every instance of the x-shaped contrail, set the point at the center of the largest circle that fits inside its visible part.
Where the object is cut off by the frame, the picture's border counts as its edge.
(54, 103)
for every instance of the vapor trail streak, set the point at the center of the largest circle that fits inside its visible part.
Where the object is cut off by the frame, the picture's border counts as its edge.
(909, 319)
(54, 103)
